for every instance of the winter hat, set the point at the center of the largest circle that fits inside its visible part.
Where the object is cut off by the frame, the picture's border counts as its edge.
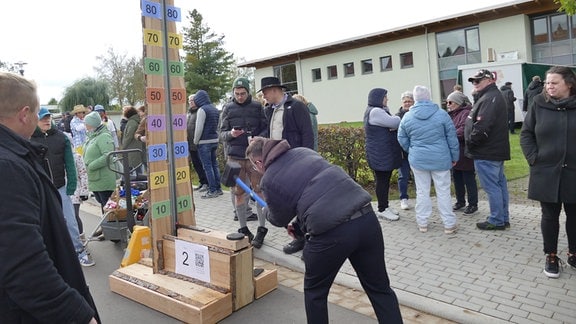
(241, 83)
(376, 97)
(421, 93)
(458, 97)
(93, 119)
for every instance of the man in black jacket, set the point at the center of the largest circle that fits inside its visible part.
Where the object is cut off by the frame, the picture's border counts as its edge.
(63, 172)
(41, 280)
(487, 143)
(509, 98)
(241, 120)
(299, 182)
(535, 87)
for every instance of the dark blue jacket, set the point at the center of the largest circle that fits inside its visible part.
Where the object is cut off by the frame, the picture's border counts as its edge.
(250, 117)
(383, 151)
(59, 156)
(299, 182)
(41, 279)
(208, 120)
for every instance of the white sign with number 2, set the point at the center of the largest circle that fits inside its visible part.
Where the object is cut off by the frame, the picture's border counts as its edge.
(192, 260)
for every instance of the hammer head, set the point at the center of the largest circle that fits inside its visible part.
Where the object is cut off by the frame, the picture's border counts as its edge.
(231, 172)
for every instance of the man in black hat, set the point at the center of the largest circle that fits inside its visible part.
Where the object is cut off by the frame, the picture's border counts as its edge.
(487, 143)
(288, 119)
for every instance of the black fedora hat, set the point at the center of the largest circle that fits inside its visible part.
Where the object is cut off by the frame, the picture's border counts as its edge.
(270, 82)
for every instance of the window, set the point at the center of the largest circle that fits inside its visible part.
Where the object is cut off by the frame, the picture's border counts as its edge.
(287, 75)
(348, 69)
(386, 63)
(316, 75)
(406, 60)
(539, 31)
(553, 39)
(332, 72)
(456, 47)
(559, 28)
(367, 66)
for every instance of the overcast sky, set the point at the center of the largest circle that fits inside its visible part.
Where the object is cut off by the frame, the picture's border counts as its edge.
(60, 39)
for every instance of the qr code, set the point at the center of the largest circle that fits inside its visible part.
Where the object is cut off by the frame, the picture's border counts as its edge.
(199, 260)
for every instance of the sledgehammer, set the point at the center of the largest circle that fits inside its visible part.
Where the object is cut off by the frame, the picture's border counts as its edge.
(230, 179)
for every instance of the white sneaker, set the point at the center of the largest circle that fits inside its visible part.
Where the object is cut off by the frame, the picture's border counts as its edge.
(86, 259)
(386, 214)
(404, 204)
(392, 210)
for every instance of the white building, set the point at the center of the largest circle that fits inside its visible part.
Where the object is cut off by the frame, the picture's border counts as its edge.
(337, 76)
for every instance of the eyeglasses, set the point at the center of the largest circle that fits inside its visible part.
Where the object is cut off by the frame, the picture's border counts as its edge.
(449, 102)
(476, 81)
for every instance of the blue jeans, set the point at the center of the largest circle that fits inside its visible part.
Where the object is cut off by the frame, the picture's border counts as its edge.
(403, 177)
(207, 153)
(70, 218)
(493, 180)
(197, 164)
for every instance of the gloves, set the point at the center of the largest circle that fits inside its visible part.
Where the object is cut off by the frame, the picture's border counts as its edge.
(290, 230)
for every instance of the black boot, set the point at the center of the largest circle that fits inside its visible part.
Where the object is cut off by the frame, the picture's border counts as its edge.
(296, 245)
(244, 230)
(259, 239)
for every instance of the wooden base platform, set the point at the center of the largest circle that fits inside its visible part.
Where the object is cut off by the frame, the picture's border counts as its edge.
(183, 300)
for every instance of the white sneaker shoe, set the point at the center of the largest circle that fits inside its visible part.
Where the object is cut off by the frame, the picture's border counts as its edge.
(386, 214)
(404, 204)
(392, 210)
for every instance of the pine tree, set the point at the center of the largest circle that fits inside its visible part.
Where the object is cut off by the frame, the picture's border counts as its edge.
(208, 65)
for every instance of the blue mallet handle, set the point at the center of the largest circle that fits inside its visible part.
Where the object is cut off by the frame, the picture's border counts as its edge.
(251, 192)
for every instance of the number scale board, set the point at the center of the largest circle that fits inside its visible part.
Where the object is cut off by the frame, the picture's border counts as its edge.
(167, 146)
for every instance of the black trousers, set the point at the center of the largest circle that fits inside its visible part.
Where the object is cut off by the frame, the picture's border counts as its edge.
(465, 183)
(360, 241)
(550, 226)
(102, 197)
(382, 188)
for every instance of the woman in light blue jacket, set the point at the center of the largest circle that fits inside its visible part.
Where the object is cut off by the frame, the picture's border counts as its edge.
(428, 135)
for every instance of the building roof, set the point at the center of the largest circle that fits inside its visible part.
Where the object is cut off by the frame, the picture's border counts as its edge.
(512, 8)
